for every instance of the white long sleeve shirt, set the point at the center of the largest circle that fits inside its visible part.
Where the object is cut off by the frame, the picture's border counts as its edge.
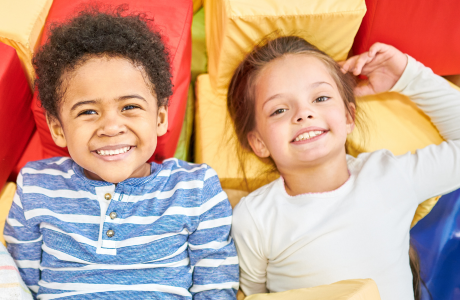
(361, 229)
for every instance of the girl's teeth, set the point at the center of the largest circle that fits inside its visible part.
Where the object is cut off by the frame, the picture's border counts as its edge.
(307, 135)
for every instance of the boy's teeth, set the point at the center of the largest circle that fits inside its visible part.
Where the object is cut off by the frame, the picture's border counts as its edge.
(307, 135)
(113, 152)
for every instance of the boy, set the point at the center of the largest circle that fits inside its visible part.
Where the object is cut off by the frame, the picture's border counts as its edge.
(105, 223)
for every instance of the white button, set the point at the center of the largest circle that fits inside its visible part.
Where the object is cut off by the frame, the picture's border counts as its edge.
(113, 215)
(110, 233)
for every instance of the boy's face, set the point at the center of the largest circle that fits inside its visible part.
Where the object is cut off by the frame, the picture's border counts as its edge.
(109, 119)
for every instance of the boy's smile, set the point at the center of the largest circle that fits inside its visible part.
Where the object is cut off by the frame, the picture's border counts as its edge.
(109, 119)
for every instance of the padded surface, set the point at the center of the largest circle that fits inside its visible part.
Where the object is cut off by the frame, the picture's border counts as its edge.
(392, 122)
(16, 121)
(427, 31)
(6, 199)
(437, 240)
(173, 19)
(215, 142)
(233, 26)
(354, 289)
(21, 24)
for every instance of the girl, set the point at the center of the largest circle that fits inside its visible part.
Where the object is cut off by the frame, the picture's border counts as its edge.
(330, 216)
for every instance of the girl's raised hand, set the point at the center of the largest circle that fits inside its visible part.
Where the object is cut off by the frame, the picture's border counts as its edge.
(383, 65)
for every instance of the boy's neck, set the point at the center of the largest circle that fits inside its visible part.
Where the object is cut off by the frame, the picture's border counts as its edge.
(321, 178)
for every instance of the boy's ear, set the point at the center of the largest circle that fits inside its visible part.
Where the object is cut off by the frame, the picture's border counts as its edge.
(57, 133)
(162, 120)
(351, 118)
(257, 144)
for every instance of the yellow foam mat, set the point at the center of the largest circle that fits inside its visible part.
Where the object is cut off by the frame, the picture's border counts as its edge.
(6, 199)
(21, 26)
(392, 122)
(355, 289)
(232, 26)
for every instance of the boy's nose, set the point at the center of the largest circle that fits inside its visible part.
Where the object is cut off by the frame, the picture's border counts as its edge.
(111, 125)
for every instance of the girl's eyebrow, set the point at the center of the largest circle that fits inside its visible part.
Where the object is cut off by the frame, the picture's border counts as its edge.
(80, 103)
(311, 86)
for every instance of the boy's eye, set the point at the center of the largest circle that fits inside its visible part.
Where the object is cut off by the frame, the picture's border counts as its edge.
(278, 111)
(321, 99)
(129, 107)
(88, 112)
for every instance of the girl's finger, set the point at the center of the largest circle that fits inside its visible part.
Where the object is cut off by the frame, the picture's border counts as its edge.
(348, 64)
(362, 60)
(378, 47)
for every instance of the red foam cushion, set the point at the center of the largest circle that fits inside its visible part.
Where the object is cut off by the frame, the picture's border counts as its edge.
(429, 31)
(173, 19)
(16, 120)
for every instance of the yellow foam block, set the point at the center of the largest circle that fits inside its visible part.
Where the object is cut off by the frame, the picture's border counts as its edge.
(233, 26)
(215, 143)
(21, 26)
(356, 289)
(392, 120)
(6, 199)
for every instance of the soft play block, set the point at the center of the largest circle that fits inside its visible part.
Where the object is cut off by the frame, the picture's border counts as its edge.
(21, 24)
(232, 26)
(6, 199)
(215, 142)
(426, 30)
(353, 289)
(16, 120)
(391, 120)
(173, 19)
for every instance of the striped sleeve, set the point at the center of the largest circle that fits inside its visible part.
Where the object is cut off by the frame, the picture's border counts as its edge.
(211, 249)
(24, 241)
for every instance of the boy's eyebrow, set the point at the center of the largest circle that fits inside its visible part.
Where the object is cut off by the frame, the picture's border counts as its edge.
(311, 86)
(130, 97)
(76, 105)
(82, 103)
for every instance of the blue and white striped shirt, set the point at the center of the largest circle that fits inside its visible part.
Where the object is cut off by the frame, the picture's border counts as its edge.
(164, 236)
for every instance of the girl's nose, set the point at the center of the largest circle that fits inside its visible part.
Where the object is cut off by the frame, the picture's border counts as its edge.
(111, 125)
(300, 119)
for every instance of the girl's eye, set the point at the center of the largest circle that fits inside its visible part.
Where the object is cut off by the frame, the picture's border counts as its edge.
(129, 107)
(88, 112)
(321, 99)
(278, 111)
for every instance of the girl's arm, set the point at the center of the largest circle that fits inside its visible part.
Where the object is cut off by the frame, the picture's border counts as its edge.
(253, 262)
(435, 169)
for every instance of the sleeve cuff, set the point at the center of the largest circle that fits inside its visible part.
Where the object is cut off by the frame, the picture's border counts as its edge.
(407, 76)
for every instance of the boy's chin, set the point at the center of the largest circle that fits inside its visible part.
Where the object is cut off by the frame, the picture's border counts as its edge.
(107, 176)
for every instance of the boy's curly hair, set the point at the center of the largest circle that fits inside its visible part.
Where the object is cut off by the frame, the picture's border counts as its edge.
(93, 33)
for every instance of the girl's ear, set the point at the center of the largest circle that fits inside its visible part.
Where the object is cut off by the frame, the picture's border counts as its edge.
(57, 132)
(257, 144)
(351, 118)
(162, 120)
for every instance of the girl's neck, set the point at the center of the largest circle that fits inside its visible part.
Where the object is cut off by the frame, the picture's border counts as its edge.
(321, 178)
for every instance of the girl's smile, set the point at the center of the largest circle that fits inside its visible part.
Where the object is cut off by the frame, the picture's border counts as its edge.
(301, 119)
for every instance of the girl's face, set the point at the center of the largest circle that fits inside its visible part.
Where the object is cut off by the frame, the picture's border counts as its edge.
(109, 119)
(301, 119)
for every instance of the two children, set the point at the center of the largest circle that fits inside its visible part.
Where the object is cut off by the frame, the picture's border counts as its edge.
(105, 223)
(330, 216)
